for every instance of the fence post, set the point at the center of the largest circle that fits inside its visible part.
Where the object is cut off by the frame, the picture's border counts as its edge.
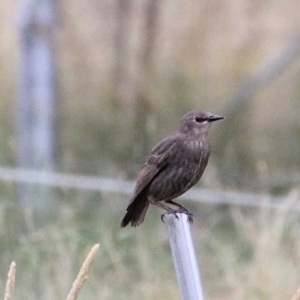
(184, 257)
(37, 104)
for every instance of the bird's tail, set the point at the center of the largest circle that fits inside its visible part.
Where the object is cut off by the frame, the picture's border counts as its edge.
(136, 212)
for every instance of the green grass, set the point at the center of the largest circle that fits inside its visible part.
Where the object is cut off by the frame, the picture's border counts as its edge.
(243, 253)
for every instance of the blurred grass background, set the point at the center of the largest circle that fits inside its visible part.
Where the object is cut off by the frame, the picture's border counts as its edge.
(125, 78)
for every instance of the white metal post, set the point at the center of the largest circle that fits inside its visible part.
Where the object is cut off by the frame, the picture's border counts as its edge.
(184, 257)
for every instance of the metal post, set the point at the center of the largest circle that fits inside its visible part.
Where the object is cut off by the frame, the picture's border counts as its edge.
(184, 257)
(37, 100)
(37, 95)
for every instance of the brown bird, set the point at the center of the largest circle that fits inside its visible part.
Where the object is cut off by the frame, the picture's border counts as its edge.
(174, 166)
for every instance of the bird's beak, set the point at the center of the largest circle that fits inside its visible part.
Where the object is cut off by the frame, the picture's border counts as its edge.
(213, 118)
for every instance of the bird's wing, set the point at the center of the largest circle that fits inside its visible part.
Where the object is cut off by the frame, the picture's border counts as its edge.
(156, 162)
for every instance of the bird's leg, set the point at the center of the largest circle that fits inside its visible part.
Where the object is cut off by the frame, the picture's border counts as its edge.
(182, 209)
(168, 209)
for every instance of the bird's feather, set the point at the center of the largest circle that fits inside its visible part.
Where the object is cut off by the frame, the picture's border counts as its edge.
(156, 162)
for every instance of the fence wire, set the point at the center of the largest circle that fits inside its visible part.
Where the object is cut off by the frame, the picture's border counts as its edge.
(103, 184)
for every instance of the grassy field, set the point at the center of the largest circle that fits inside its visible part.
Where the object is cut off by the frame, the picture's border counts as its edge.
(243, 253)
(202, 53)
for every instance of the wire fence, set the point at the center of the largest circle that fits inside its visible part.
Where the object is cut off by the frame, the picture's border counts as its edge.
(103, 184)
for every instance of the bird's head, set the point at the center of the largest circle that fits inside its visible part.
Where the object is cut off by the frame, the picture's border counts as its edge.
(197, 122)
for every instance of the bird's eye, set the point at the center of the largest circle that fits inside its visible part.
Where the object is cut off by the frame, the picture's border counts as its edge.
(199, 119)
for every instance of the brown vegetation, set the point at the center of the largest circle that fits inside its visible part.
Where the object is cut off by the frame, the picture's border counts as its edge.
(126, 74)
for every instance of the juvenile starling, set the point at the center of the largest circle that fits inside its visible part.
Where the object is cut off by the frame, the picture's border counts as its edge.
(174, 166)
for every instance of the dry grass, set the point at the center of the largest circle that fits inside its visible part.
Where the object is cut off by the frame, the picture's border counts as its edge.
(221, 44)
(83, 274)
(296, 296)
(10, 283)
(259, 260)
(76, 287)
(243, 253)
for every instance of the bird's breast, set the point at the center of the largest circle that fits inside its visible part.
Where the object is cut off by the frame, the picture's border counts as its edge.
(197, 150)
(185, 166)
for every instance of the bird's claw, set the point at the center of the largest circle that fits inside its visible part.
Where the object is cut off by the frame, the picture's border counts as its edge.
(184, 211)
(189, 215)
(171, 212)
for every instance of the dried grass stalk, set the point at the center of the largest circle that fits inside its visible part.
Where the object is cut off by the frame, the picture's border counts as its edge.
(296, 295)
(10, 283)
(83, 274)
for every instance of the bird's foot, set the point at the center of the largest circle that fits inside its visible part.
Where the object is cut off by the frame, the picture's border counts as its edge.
(174, 212)
(189, 215)
(169, 212)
